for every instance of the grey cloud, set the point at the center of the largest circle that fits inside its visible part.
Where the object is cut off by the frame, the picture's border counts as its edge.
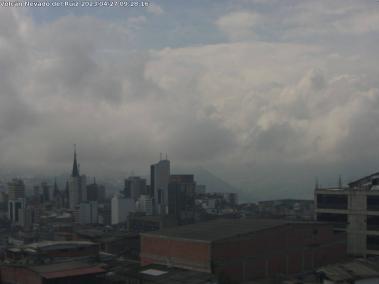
(244, 109)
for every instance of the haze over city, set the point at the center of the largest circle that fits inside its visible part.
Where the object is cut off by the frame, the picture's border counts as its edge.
(265, 95)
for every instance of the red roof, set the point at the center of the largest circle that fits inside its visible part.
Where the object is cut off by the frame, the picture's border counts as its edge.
(72, 272)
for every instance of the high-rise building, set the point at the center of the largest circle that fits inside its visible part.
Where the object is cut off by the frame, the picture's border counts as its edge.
(16, 189)
(31, 217)
(96, 192)
(181, 198)
(353, 209)
(58, 196)
(16, 202)
(145, 204)
(121, 208)
(105, 213)
(76, 186)
(88, 213)
(16, 211)
(134, 187)
(160, 176)
(46, 196)
(3, 202)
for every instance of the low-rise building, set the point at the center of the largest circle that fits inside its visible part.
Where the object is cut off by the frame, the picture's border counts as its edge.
(244, 249)
(66, 272)
(52, 251)
(157, 274)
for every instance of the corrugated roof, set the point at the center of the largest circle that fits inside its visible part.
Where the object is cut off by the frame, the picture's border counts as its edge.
(219, 229)
(357, 269)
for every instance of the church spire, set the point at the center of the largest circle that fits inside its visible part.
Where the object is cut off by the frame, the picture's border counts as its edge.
(75, 169)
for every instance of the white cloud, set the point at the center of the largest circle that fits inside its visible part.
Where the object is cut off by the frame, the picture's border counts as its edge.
(302, 20)
(238, 25)
(155, 9)
(245, 109)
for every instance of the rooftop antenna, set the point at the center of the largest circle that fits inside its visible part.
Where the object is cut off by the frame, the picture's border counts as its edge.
(160, 156)
(340, 181)
(166, 155)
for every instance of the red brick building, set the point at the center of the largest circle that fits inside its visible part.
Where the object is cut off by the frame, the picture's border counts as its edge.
(244, 249)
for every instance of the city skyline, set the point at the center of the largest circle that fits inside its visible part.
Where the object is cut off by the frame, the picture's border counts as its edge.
(264, 94)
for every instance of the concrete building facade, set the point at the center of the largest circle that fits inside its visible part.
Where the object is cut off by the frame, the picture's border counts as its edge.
(16, 211)
(121, 208)
(16, 189)
(88, 213)
(355, 210)
(145, 204)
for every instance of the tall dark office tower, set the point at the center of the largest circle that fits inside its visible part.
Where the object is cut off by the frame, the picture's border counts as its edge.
(96, 192)
(56, 191)
(135, 187)
(181, 198)
(58, 196)
(45, 192)
(77, 185)
(160, 175)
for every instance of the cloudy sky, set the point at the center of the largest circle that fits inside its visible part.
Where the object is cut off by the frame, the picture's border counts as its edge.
(264, 94)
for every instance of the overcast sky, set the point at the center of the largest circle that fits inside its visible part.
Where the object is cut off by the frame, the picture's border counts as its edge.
(264, 94)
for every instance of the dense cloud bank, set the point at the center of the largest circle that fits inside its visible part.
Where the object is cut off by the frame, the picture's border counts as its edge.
(290, 93)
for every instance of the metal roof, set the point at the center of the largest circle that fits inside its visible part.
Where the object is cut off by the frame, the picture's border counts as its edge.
(357, 269)
(66, 269)
(220, 229)
(48, 244)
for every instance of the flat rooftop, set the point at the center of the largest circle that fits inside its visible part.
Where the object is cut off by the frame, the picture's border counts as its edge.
(46, 244)
(155, 273)
(221, 229)
(66, 269)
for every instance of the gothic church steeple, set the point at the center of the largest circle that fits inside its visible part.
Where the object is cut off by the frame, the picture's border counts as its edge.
(75, 169)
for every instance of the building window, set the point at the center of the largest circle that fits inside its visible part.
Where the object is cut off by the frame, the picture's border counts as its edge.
(373, 223)
(373, 202)
(332, 201)
(340, 220)
(372, 242)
